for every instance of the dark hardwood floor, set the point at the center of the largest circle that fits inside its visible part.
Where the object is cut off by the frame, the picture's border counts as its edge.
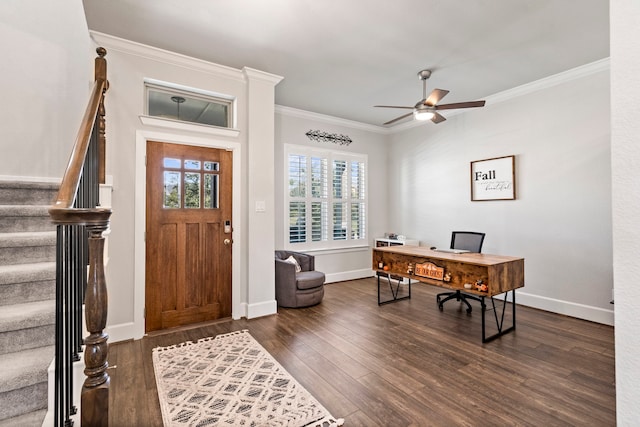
(408, 364)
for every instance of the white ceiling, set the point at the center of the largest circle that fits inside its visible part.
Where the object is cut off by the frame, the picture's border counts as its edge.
(341, 57)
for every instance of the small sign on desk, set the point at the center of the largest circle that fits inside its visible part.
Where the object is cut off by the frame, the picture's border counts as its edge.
(430, 270)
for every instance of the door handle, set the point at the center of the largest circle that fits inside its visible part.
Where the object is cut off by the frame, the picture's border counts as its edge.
(227, 242)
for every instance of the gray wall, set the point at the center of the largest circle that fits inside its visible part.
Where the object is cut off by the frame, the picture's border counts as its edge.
(46, 70)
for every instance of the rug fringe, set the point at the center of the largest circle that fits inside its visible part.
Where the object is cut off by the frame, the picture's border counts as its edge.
(188, 343)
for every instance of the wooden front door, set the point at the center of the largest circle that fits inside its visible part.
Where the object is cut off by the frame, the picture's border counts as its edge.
(188, 235)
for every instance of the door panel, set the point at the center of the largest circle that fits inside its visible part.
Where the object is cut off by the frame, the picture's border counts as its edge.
(188, 265)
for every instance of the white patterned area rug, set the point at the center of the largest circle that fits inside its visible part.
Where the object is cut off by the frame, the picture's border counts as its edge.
(231, 380)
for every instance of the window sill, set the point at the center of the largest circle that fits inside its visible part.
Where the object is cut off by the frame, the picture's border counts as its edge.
(330, 251)
(192, 127)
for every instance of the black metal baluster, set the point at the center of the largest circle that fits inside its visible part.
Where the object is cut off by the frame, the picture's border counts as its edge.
(58, 389)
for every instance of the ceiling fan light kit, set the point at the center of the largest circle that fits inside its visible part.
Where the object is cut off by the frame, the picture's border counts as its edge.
(423, 115)
(426, 108)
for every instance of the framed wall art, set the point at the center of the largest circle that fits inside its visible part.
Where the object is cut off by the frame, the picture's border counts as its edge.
(493, 179)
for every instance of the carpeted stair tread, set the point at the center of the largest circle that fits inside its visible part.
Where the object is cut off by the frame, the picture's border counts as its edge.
(24, 210)
(23, 273)
(28, 185)
(25, 218)
(29, 315)
(22, 283)
(27, 193)
(25, 368)
(34, 418)
(31, 238)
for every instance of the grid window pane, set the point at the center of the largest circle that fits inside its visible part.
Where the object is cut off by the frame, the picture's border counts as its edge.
(319, 177)
(168, 162)
(297, 222)
(211, 193)
(357, 180)
(211, 166)
(191, 190)
(358, 219)
(192, 164)
(340, 221)
(297, 175)
(171, 199)
(319, 221)
(339, 178)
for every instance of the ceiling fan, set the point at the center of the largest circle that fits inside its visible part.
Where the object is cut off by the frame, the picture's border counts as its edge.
(427, 108)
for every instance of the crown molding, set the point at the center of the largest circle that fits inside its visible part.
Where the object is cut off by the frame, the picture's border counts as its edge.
(309, 115)
(551, 81)
(129, 47)
(253, 74)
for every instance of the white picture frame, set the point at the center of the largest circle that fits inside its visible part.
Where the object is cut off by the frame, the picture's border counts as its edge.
(493, 179)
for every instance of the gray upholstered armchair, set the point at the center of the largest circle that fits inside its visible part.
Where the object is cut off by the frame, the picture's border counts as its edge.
(297, 289)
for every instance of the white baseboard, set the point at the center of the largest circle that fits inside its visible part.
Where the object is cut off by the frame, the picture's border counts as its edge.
(121, 332)
(348, 275)
(580, 311)
(260, 309)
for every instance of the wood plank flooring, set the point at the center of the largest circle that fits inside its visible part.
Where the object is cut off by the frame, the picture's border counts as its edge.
(407, 363)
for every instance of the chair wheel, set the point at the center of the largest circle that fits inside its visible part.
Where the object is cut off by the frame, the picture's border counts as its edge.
(441, 307)
(468, 311)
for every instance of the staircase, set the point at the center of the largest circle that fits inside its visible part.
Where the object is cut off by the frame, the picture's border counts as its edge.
(27, 300)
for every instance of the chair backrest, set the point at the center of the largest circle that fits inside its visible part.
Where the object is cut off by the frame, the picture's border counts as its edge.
(467, 240)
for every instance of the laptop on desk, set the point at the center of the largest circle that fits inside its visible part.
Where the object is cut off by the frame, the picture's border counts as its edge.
(452, 251)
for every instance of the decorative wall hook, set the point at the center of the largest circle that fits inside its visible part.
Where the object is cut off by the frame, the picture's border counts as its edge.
(316, 135)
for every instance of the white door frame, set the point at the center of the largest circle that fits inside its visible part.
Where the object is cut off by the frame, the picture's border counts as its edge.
(142, 136)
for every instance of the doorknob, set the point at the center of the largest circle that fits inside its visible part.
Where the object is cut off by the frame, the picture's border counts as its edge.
(227, 242)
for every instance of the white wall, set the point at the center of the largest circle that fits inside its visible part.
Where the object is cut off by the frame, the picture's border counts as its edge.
(46, 70)
(291, 127)
(625, 153)
(129, 64)
(559, 131)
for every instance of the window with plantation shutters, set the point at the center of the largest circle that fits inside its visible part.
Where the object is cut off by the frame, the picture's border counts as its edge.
(326, 198)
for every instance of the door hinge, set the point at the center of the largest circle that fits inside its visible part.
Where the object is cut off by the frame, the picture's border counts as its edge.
(144, 312)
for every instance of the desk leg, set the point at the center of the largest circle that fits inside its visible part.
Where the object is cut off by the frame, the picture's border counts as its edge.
(499, 322)
(394, 292)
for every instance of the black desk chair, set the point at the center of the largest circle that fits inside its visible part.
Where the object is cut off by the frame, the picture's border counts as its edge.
(472, 242)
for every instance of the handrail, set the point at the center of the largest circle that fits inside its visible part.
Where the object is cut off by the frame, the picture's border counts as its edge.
(71, 179)
(80, 278)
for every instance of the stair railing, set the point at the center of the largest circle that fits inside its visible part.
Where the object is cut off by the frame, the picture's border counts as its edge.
(80, 224)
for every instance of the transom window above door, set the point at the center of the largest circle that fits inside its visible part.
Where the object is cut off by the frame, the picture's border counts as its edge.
(177, 103)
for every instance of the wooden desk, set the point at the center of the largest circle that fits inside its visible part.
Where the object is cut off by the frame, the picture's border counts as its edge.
(502, 274)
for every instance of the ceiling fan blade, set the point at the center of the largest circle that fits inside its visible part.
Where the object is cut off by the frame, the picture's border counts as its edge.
(470, 104)
(392, 106)
(398, 118)
(435, 97)
(437, 118)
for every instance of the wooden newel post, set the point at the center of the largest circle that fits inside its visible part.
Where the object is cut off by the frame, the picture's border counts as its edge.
(95, 390)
